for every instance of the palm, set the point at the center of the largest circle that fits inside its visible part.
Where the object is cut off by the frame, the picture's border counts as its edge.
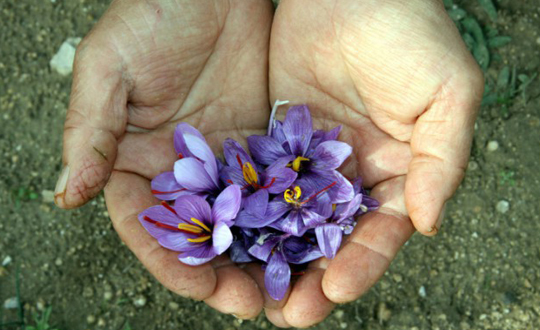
(359, 67)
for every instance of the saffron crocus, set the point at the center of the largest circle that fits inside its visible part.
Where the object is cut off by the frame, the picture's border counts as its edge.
(314, 160)
(243, 171)
(278, 251)
(193, 228)
(196, 171)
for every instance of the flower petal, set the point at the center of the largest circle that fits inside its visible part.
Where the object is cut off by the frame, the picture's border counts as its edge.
(257, 203)
(239, 253)
(190, 141)
(221, 237)
(262, 249)
(293, 223)
(311, 219)
(348, 209)
(192, 175)
(330, 155)
(191, 206)
(245, 219)
(277, 276)
(265, 149)
(165, 187)
(278, 177)
(276, 209)
(227, 204)
(329, 238)
(199, 256)
(233, 151)
(298, 129)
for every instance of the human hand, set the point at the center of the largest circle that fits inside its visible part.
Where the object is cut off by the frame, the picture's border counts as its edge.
(398, 77)
(146, 66)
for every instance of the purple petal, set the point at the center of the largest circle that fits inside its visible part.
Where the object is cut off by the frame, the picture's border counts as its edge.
(276, 209)
(165, 187)
(168, 238)
(199, 256)
(263, 246)
(347, 210)
(277, 132)
(311, 219)
(232, 175)
(281, 176)
(293, 223)
(298, 129)
(245, 219)
(227, 204)
(190, 143)
(257, 203)
(277, 276)
(233, 151)
(330, 155)
(192, 175)
(239, 253)
(265, 149)
(329, 238)
(191, 206)
(320, 136)
(221, 237)
(343, 191)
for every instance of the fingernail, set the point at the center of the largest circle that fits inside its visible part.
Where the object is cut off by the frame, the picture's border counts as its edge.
(61, 184)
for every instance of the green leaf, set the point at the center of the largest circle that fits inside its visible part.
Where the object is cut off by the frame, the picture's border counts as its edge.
(448, 3)
(489, 99)
(457, 14)
(481, 54)
(499, 41)
(469, 41)
(504, 78)
(523, 78)
(473, 27)
(490, 9)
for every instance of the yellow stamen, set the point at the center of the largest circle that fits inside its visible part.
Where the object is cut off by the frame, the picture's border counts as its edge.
(200, 223)
(297, 163)
(334, 207)
(292, 196)
(250, 175)
(199, 239)
(190, 228)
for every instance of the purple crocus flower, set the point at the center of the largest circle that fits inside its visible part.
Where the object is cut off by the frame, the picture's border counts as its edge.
(196, 172)
(243, 171)
(278, 251)
(368, 203)
(192, 227)
(315, 157)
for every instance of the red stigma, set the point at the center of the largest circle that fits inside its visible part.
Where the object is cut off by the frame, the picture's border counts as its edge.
(162, 225)
(320, 192)
(168, 207)
(157, 192)
(239, 160)
(268, 185)
(298, 273)
(180, 155)
(230, 181)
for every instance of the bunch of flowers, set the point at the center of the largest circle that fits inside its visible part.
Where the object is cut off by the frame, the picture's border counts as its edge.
(284, 205)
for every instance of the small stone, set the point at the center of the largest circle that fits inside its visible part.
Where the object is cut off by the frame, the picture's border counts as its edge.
(88, 292)
(40, 305)
(422, 292)
(397, 278)
(503, 206)
(338, 314)
(492, 145)
(473, 166)
(47, 196)
(58, 262)
(174, 306)
(7, 260)
(383, 312)
(527, 284)
(101, 322)
(90, 319)
(11, 303)
(62, 61)
(538, 40)
(139, 301)
(343, 325)
(108, 295)
(3, 271)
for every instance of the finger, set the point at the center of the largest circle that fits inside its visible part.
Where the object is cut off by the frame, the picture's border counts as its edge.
(307, 304)
(95, 119)
(256, 272)
(236, 291)
(374, 243)
(276, 317)
(440, 144)
(127, 195)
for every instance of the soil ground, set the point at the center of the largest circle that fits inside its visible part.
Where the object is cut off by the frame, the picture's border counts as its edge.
(481, 272)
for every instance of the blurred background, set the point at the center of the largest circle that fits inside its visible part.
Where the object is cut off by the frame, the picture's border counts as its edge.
(68, 270)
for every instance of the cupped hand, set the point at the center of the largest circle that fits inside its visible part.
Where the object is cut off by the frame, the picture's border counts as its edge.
(398, 78)
(146, 66)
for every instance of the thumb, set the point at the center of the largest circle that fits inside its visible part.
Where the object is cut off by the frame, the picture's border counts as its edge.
(440, 144)
(95, 119)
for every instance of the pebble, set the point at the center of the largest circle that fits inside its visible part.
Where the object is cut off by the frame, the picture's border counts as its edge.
(90, 319)
(422, 292)
(339, 314)
(11, 303)
(101, 322)
(343, 325)
(62, 61)
(503, 206)
(40, 305)
(473, 166)
(58, 262)
(7, 260)
(88, 292)
(383, 312)
(3, 271)
(397, 278)
(47, 196)
(174, 306)
(108, 295)
(492, 145)
(140, 301)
